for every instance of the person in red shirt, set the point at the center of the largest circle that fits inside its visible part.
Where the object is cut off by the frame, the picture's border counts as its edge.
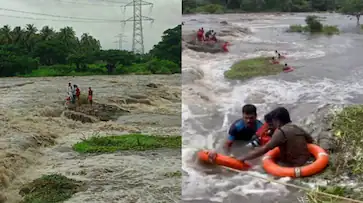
(90, 94)
(224, 47)
(213, 38)
(200, 34)
(78, 94)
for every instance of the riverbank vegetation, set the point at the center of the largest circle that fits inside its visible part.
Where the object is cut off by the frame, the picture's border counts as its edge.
(132, 142)
(346, 7)
(249, 68)
(29, 52)
(50, 188)
(347, 158)
(347, 128)
(314, 25)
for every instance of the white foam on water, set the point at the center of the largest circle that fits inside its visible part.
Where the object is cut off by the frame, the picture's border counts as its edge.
(229, 98)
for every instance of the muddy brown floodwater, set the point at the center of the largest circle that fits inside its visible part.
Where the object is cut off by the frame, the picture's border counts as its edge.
(37, 133)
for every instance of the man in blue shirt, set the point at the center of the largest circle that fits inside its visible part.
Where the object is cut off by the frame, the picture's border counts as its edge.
(243, 129)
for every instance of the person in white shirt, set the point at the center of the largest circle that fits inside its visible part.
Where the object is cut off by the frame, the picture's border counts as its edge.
(70, 92)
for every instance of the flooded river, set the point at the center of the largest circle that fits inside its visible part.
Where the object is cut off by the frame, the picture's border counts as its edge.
(36, 137)
(328, 70)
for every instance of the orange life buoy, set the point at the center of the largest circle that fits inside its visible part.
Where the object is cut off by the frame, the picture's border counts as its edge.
(321, 161)
(224, 161)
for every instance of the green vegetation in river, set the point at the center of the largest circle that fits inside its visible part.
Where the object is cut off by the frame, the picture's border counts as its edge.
(254, 67)
(50, 188)
(27, 52)
(314, 26)
(347, 7)
(132, 142)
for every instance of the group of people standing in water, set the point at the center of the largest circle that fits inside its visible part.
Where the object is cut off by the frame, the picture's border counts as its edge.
(276, 60)
(74, 94)
(210, 36)
(276, 131)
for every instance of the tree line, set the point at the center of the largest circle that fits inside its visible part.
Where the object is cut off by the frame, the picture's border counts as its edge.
(47, 52)
(349, 7)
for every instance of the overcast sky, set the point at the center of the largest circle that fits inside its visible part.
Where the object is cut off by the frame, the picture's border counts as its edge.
(167, 14)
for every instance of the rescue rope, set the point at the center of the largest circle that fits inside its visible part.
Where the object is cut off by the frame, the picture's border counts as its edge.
(295, 186)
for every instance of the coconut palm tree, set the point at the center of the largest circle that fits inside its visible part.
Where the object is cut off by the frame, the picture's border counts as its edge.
(5, 35)
(17, 35)
(30, 37)
(68, 36)
(89, 44)
(47, 33)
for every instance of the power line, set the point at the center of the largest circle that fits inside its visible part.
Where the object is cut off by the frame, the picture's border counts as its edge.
(137, 19)
(58, 16)
(56, 20)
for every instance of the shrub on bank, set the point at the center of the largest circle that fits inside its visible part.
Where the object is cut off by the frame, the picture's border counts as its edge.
(132, 142)
(254, 67)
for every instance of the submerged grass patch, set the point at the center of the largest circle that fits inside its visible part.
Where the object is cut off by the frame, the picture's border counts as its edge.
(133, 142)
(176, 174)
(50, 188)
(254, 67)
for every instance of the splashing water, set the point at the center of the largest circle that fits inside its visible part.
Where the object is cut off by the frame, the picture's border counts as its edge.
(211, 103)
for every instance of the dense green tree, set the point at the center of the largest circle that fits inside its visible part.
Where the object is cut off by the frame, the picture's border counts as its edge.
(27, 51)
(169, 48)
(190, 6)
(353, 7)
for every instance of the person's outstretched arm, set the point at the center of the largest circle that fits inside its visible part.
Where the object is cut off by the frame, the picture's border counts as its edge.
(277, 139)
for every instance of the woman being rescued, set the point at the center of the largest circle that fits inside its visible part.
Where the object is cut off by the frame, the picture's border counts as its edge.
(263, 134)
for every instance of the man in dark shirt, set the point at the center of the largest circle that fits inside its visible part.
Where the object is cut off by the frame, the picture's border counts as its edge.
(291, 139)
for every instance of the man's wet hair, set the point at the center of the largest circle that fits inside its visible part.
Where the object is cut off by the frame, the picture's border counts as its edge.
(268, 118)
(276, 51)
(249, 109)
(281, 114)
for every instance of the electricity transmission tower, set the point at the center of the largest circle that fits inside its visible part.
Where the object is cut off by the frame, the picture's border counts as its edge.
(120, 40)
(137, 19)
